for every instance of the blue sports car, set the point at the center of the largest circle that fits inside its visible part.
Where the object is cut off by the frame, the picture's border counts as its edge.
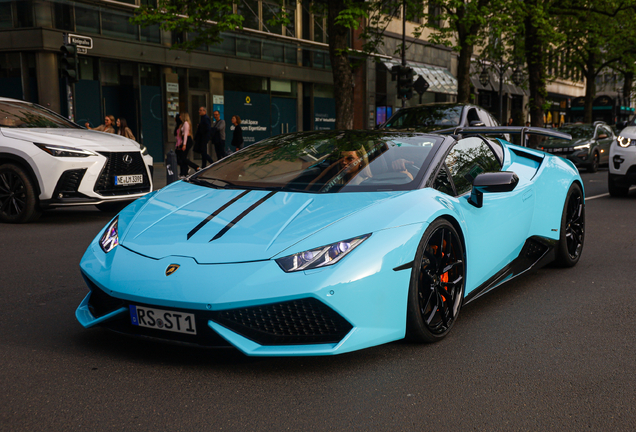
(321, 243)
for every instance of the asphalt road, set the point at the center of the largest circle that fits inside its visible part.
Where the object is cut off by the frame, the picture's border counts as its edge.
(554, 350)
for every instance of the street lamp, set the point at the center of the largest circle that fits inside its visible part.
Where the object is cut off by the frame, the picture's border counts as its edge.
(517, 76)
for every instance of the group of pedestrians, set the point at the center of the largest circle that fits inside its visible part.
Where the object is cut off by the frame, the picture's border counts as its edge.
(206, 132)
(109, 127)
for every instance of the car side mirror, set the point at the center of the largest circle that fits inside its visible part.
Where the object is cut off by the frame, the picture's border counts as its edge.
(602, 136)
(477, 123)
(503, 181)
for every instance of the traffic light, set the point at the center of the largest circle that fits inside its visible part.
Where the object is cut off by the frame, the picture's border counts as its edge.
(70, 62)
(405, 82)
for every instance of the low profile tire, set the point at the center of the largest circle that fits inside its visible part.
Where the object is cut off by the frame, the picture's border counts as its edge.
(18, 200)
(572, 235)
(436, 291)
(596, 160)
(112, 207)
(616, 190)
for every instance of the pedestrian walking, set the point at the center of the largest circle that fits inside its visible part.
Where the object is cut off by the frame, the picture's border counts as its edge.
(202, 137)
(108, 126)
(237, 136)
(184, 144)
(218, 135)
(123, 129)
(510, 122)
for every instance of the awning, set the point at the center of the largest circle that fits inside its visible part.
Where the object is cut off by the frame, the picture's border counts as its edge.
(439, 79)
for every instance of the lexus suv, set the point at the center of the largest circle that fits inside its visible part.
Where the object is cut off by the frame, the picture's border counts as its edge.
(48, 161)
(622, 167)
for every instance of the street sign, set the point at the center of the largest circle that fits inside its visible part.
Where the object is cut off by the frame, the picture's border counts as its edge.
(420, 85)
(82, 50)
(81, 41)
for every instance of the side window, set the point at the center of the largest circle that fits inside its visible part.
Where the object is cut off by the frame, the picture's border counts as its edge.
(469, 158)
(606, 131)
(443, 183)
(472, 116)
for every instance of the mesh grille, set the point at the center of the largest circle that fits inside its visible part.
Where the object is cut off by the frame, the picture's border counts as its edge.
(101, 303)
(68, 183)
(115, 166)
(303, 321)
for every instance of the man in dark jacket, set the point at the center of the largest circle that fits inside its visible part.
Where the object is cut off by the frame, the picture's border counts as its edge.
(202, 137)
(218, 135)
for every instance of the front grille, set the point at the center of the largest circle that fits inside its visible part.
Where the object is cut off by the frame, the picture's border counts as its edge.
(115, 166)
(563, 151)
(68, 184)
(303, 321)
(101, 303)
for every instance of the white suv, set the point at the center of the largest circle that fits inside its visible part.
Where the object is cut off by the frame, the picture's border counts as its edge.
(48, 161)
(622, 163)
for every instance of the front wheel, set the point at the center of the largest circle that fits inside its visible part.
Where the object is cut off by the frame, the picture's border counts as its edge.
(596, 161)
(18, 200)
(436, 291)
(572, 234)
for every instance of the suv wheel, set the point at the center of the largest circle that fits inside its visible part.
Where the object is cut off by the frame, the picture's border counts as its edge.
(18, 203)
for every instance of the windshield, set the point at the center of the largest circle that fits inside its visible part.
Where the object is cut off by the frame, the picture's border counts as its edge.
(443, 116)
(578, 132)
(27, 115)
(325, 162)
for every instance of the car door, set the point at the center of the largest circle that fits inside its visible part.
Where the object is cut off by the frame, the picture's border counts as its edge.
(604, 138)
(496, 232)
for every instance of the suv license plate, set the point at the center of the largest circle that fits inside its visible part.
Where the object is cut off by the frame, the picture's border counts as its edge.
(126, 180)
(178, 322)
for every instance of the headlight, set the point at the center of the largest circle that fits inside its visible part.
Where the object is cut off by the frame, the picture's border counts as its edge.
(320, 257)
(581, 147)
(624, 142)
(62, 151)
(110, 239)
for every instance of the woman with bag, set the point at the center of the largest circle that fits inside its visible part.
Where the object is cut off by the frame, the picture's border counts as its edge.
(183, 146)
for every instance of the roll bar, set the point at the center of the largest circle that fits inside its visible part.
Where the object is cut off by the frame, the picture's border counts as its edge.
(523, 130)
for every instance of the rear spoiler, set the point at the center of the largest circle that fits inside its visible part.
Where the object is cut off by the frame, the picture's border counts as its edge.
(484, 130)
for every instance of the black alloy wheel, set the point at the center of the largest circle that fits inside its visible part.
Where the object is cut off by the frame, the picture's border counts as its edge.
(572, 235)
(18, 203)
(596, 161)
(437, 284)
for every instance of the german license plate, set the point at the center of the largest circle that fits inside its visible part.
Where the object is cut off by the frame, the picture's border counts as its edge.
(178, 322)
(126, 180)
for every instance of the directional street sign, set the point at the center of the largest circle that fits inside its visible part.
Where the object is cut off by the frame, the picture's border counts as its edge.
(81, 41)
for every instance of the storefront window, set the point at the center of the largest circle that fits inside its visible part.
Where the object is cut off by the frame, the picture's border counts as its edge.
(87, 68)
(149, 75)
(6, 18)
(63, 16)
(110, 73)
(117, 24)
(199, 79)
(86, 20)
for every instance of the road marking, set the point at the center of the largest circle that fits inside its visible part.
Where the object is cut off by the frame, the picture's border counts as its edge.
(605, 194)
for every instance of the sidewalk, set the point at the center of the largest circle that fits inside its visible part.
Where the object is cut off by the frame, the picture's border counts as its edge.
(159, 175)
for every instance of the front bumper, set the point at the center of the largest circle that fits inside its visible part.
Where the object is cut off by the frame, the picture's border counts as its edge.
(255, 306)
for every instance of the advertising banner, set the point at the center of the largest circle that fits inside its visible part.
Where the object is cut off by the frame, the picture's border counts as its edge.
(254, 111)
(324, 113)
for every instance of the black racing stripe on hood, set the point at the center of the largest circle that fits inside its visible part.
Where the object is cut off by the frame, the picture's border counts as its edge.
(216, 213)
(242, 215)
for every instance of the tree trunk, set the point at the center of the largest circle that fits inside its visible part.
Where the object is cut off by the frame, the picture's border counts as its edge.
(463, 72)
(590, 88)
(535, 57)
(341, 67)
(628, 83)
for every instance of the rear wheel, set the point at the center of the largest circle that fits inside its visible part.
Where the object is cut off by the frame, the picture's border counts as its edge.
(614, 189)
(436, 291)
(18, 201)
(572, 228)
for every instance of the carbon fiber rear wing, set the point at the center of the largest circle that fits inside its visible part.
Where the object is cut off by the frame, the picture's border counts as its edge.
(485, 130)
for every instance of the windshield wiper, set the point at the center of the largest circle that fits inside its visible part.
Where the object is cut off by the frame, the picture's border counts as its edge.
(213, 183)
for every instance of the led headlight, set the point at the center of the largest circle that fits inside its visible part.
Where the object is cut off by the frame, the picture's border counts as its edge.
(63, 151)
(110, 239)
(624, 142)
(144, 149)
(320, 257)
(581, 147)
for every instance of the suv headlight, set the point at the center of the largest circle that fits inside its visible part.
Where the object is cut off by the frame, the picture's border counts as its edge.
(581, 147)
(623, 141)
(63, 151)
(320, 257)
(110, 238)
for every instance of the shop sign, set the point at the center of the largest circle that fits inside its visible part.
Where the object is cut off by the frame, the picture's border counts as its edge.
(172, 87)
(254, 111)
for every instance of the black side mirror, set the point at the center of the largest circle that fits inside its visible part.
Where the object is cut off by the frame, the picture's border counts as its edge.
(477, 123)
(503, 181)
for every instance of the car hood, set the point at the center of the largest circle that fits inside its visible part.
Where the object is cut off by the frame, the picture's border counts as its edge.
(79, 138)
(558, 143)
(216, 226)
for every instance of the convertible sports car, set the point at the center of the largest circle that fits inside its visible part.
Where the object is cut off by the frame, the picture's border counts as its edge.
(319, 243)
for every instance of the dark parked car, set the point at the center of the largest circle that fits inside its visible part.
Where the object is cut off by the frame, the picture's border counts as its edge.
(440, 117)
(589, 147)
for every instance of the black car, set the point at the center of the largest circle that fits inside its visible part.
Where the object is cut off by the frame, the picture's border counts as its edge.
(589, 147)
(440, 117)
